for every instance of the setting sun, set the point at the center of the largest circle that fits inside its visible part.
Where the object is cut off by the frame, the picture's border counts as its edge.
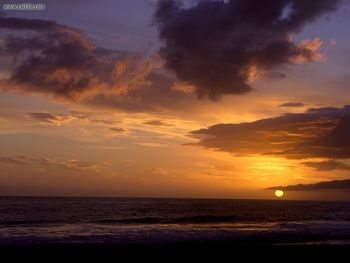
(279, 193)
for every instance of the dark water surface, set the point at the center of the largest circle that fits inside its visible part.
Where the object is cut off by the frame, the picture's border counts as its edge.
(31, 220)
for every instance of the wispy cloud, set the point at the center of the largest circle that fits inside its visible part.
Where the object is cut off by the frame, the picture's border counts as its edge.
(49, 118)
(157, 123)
(117, 130)
(329, 165)
(10, 160)
(61, 118)
(71, 164)
(292, 105)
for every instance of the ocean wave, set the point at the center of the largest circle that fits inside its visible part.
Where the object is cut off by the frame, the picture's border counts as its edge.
(26, 222)
(197, 219)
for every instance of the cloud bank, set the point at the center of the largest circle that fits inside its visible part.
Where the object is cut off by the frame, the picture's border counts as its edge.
(331, 185)
(316, 133)
(221, 46)
(329, 165)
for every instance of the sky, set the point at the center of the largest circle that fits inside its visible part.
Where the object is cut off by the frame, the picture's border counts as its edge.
(197, 99)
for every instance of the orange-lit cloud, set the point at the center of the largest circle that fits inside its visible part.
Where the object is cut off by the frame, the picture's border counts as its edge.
(42, 162)
(316, 133)
(329, 165)
(59, 60)
(61, 118)
(157, 123)
(49, 118)
(310, 51)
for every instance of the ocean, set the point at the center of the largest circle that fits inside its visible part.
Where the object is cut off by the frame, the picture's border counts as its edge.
(53, 220)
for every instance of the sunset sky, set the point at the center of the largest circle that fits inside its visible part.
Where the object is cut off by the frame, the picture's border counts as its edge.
(142, 98)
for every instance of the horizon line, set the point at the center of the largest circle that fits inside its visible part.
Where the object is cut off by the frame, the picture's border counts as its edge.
(183, 198)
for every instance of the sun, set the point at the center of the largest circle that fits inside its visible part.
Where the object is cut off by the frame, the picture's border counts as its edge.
(279, 193)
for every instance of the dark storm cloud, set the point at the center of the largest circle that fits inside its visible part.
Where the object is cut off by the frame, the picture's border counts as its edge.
(51, 58)
(218, 46)
(331, 185)
(323, 132)
(292, 104)
(328, 165)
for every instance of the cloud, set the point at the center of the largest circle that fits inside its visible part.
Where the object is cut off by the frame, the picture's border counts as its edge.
(331, 185)
(9, 160)
(292, 104)
(316, 133)
(49, 118)
(117, 130)
(158, 96)
(58, 119)
(41, 161)
(50, 58)
(157, 123)
(151, 144)
(47, 58)
(220, 47)
(328, 165)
